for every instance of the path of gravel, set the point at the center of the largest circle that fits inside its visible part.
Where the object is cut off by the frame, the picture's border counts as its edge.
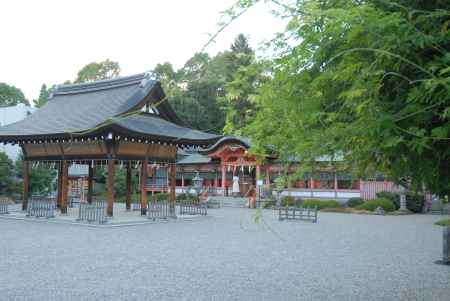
(228, 257)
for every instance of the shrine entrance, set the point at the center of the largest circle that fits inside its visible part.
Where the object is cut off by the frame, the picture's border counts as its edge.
(239, 169)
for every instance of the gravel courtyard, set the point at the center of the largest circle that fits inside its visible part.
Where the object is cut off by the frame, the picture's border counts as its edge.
(227, 257)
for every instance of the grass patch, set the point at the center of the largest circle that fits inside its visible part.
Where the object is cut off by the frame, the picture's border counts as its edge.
(443, 222)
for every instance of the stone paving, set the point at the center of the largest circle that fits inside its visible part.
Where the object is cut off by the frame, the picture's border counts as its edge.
(227, 257)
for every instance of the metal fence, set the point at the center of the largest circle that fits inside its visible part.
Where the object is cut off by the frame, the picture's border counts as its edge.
(93, 212)
(193, 208)
(4, 206)
(158, 210)
(294, 213)
(41, 207)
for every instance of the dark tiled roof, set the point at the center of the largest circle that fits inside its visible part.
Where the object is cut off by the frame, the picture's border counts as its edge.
(99, 105)
(195, 158)
(76, 108)
(224, 140)
(151, 125)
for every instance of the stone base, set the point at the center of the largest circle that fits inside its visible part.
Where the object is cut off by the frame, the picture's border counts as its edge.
(403, 212)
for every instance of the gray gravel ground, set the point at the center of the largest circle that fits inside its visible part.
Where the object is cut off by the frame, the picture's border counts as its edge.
(228, 257)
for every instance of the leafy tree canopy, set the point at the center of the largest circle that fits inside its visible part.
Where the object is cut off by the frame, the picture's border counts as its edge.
(11, 96)
(97, 71)
(8, 183)
(41, 178)
(366, 79)
(44, 94)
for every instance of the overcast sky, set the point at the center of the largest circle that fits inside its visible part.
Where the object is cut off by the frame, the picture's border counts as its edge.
(48, 41)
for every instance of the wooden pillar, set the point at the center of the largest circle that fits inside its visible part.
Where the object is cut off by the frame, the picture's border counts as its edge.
(182, 180)
(172, 184)
(335, 182)
(110, 188)
(224, 178)
(26, 184)
(143, 183)
(59, 188)
(129, 188)
(64, 186)
(90, 182)
(335, 185)
(268, 176)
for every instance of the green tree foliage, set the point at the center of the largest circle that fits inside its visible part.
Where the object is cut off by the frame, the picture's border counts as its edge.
(8, 183)
(11, 96)
(368, 79)
(193, 91)
(41, 177)
(44, 94)
(97, 71)
(243, 75)
(208, 91)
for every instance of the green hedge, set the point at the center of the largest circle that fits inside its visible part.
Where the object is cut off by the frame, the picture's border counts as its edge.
(321, 204)
(392, 196)
(371, 205)
(289, 201)
(353, 202)
(414, 201)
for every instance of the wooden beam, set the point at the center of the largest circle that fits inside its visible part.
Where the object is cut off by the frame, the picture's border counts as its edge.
(172, 185)
(144, 186)
(90, 182)
(64, 186)
(129, 187)
(110, 188)
(26, 184)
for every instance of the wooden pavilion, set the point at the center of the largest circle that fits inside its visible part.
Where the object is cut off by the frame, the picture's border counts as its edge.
(123, 121)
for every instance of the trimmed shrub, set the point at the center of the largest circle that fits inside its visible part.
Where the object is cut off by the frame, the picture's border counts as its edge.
(181, 196)
(268, 204)
(371, 205)
(321, 204)
(162, 197)
(289, 201)
(415, 202)
(392, 196)
(353, 202)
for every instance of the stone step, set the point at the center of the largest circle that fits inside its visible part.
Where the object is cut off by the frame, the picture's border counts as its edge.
(232, 202)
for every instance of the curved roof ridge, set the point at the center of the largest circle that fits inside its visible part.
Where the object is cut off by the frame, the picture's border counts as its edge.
(226, 139)
(100, 85)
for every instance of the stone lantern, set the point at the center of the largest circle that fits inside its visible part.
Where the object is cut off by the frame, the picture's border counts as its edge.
(198, 183)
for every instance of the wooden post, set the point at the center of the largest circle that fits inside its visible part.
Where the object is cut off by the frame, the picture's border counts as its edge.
(64, 186)
(110, 188)
(172, 179)
(144, 167)
(129, 188)
(335, 185)
(224, 179)
(59, 192)
(90, 182)
(26, 184)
